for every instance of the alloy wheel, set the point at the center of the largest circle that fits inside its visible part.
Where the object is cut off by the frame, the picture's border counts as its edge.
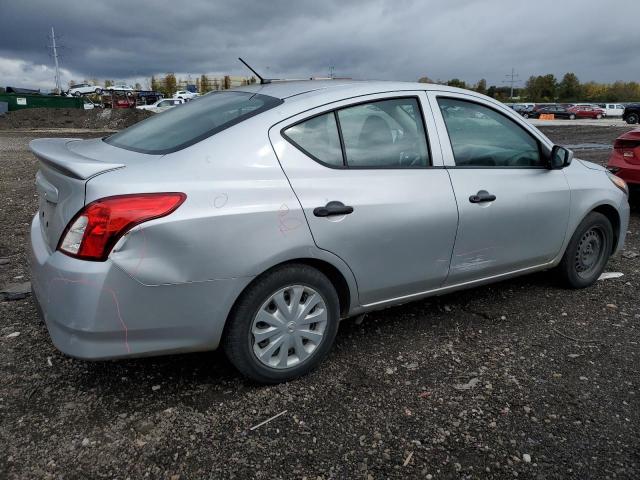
(289, 327)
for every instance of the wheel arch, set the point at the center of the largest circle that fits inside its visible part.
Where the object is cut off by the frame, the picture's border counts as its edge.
(613, 216)
(342, 281)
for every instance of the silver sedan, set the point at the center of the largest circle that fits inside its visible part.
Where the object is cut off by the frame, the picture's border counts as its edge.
(255, 219)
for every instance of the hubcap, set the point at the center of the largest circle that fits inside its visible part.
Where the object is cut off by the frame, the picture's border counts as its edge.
(289, 327)
(589, 252)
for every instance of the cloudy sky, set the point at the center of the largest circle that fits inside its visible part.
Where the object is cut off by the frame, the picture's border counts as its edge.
(375, 39)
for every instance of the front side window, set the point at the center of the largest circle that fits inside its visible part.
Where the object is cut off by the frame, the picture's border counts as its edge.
(180, 127)
(482, 137)
(384, 134)
(318, 137)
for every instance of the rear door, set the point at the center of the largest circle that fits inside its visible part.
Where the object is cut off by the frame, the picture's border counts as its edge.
(368, 174)
(513, 210)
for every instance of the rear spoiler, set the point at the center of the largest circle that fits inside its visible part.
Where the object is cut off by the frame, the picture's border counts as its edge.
(54, 153)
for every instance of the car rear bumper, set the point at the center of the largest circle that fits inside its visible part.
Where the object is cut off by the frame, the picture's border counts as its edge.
(629, 172)
(94, 310)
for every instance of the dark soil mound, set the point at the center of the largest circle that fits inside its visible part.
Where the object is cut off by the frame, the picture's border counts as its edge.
(45, 118)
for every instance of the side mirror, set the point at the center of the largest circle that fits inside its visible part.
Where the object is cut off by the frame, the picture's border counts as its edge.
(560, 157)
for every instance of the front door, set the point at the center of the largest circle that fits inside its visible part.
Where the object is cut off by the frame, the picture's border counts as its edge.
(513, 210)
(364, 174)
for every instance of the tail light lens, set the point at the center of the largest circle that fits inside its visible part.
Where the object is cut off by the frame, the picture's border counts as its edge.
(94, 231)
(626, 147)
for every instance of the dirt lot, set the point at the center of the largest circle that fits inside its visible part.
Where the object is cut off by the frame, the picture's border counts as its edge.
(518, 379)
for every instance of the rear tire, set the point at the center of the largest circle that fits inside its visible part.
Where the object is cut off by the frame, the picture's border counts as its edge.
(587, 252)
(572, 117)
(632, 119)
(275, 312)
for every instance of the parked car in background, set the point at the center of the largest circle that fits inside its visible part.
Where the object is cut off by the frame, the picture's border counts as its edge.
(185, 94)
(584, 111)
(612, 109)
(162, 105)
(555, 110)
(120, 87)
(254, 219)
(520, 107)
(84, 89)
(624, 160)
(631, 114)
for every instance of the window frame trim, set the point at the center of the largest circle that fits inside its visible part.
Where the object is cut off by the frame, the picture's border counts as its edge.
(345, 163)
(541, 150)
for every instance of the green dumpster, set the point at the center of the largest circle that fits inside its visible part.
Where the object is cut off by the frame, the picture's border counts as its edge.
(19, 101)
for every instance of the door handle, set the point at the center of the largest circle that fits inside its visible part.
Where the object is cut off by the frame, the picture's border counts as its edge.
(332, 208)
(482, 196)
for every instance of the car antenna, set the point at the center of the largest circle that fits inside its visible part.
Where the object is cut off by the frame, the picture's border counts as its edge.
(262, 80)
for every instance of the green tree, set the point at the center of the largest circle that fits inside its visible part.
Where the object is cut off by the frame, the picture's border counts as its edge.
(204, 84)
(542, 88)
(569, 88)
(425, 79)
(456, 82)
(137, 86)
(481, 86)
(227, 82)
(108, 83)
(170, 85)
(155, 86)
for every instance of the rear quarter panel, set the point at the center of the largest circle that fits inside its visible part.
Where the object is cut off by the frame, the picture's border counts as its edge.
(240, 216)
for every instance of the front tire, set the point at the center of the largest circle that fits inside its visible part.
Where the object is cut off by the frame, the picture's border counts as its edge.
(588, 252)
(572, 117)
(283, 325)
(632, 119)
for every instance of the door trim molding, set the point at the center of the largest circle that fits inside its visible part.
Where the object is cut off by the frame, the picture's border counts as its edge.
(457, 286)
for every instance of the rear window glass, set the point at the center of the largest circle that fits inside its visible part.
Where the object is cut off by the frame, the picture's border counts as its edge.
(187, 124)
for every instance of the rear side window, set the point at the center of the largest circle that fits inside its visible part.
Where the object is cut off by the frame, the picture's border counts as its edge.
(178, 128)
(318, 137)
(482, 137)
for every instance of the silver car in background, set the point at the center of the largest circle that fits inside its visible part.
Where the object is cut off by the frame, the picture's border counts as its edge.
(255, 219)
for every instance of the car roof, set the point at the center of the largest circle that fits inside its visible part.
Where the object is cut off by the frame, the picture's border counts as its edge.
(293, 88)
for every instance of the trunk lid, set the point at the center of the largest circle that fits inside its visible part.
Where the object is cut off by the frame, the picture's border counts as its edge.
(66, 165)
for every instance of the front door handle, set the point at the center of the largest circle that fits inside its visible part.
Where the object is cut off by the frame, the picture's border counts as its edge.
(482, 196)
(332, 208)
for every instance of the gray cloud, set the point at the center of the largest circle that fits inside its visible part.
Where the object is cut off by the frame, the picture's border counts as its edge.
(381, 39)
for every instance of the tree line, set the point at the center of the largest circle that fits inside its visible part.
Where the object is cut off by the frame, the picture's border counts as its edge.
(547, 88)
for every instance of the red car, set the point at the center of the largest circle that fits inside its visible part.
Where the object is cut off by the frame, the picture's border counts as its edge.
(625, 158)
(582, 111)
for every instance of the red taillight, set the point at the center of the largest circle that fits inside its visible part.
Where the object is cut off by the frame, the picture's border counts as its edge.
(94, 231)
(626, 147)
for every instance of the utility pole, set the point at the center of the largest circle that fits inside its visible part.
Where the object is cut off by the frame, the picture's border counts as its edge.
(512, 80)
(331, 69)
(55, 58)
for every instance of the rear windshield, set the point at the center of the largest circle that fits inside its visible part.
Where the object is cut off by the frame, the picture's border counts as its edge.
(187, 124)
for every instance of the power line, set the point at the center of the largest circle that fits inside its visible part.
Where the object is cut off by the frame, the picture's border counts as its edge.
(55, 58)
(512, 80)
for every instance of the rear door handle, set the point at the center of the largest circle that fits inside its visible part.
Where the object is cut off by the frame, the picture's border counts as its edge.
(332, 208)
(482, 196)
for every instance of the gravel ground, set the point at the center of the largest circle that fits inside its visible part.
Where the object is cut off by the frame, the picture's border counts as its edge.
(517, 379)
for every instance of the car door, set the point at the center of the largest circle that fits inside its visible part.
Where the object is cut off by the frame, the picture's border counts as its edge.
(513, 210)
(369, 177)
